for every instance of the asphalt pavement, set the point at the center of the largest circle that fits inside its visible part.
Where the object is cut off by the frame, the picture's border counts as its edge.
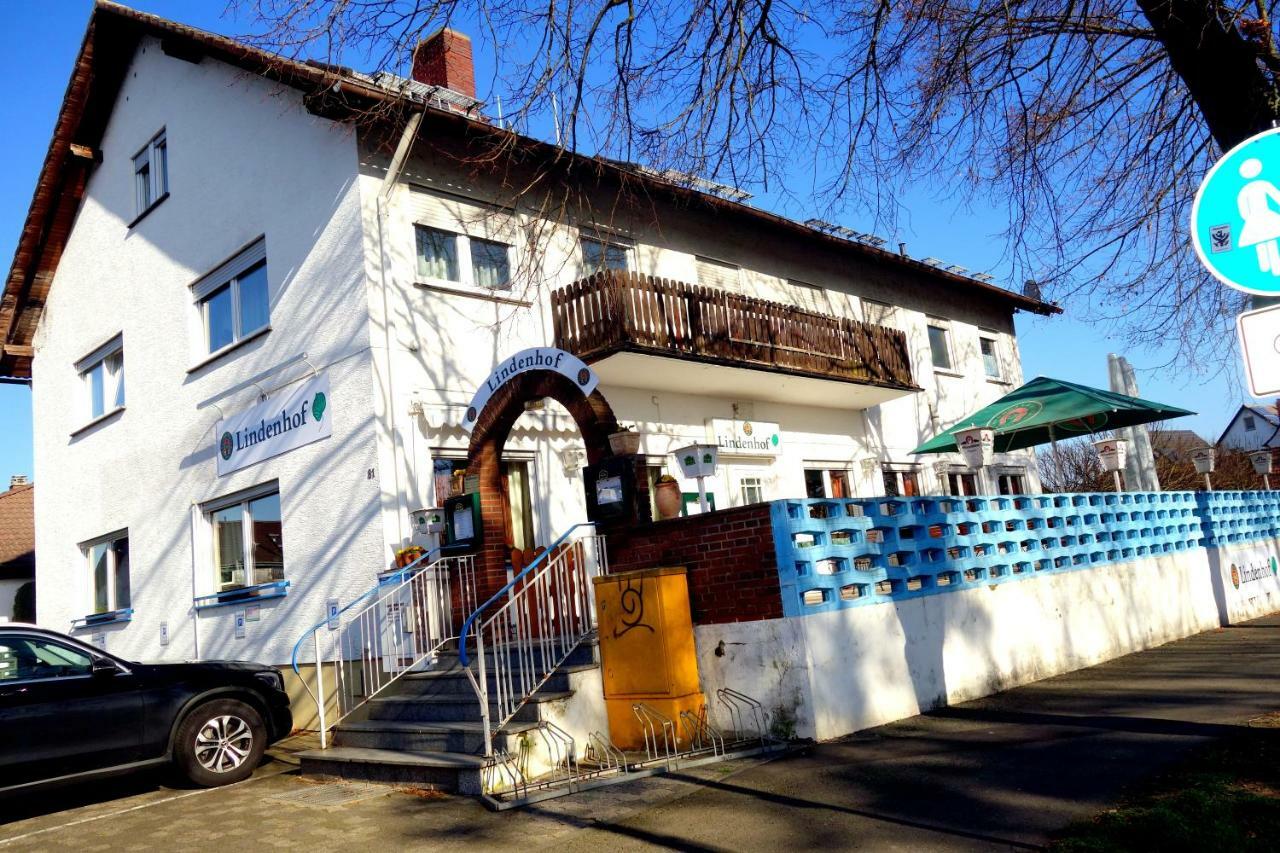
(1001, 773)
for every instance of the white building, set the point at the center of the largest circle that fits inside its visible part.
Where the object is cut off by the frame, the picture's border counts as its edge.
(215, 225)
(1253, 427)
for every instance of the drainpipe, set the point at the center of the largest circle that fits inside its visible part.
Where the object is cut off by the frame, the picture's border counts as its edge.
(389, 181)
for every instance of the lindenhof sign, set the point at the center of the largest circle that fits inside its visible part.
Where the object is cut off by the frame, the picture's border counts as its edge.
(276, 425)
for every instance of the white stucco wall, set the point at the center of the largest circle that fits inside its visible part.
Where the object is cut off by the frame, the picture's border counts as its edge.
(437, 345)
(1238, 437)
(832, 673)
(245, 159)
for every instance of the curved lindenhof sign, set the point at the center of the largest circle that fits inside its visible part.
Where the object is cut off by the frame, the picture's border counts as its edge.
(537, 358)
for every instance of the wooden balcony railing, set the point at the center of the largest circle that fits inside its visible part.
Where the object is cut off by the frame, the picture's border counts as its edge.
(613, 312)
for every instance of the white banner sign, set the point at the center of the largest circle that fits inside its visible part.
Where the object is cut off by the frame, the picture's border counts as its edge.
(566, 364)
(276, 425)
(745, 438)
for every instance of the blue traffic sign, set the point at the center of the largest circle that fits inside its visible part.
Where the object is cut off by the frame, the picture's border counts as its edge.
(1235, 220)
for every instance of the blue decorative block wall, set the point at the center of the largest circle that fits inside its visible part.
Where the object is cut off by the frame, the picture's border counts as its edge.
(838, 553)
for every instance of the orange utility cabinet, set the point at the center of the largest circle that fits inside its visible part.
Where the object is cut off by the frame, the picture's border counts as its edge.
(646, 649)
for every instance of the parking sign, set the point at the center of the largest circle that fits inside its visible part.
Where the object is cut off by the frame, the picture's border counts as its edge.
(1260, 345)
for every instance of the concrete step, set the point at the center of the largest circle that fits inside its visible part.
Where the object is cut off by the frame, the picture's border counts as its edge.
(461, 737)
(450, 708)
(446, 771)
(436, 682)
(587, 651)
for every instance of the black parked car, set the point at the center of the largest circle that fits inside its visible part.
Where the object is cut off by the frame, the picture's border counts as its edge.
(70, 711)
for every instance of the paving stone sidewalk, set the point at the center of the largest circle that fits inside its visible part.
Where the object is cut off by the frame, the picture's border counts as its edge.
(1001, 773)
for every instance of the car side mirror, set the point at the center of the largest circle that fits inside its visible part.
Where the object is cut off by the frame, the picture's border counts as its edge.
(103, 667)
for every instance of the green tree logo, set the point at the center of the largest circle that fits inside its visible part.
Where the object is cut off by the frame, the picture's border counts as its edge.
(318, 406)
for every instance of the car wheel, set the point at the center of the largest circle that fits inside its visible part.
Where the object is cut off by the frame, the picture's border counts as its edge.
(220, 742)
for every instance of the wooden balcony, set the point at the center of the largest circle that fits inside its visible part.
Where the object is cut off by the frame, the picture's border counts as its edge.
(614, 314)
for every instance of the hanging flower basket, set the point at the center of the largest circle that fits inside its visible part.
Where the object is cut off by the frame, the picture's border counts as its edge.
(624, 443)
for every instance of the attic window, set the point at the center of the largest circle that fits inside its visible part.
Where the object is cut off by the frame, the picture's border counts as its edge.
(1249, 424)
(151, 173)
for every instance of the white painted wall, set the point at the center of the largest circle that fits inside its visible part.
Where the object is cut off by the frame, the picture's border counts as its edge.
(437, 345)
(832, 673)
(245, 159)
(1238, 436)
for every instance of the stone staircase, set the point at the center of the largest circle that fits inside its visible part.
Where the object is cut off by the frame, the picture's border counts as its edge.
(426, 730)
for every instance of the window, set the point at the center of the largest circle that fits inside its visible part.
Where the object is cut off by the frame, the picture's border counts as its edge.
(939, 347)
(713, 273)
(879, 313)
(901, 481)
(248, 542)
(109, 570)
(962, 483)
(827, 483)
(151, 173)
(990, 357)
(750, 490)
(102, 372)
(31, 658)
(1249, 424)
(234, 301)
(447, 256)
(1012, 482)
(600, 255)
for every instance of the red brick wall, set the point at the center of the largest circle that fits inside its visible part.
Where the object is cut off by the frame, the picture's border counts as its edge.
(733, 570)
(444, 59)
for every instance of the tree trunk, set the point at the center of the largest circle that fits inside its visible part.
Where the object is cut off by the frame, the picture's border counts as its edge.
(1219, 66)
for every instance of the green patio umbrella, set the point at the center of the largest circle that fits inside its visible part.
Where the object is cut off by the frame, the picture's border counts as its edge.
(1045, 410)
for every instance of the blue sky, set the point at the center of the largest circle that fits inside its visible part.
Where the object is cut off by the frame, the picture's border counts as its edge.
(38, 45)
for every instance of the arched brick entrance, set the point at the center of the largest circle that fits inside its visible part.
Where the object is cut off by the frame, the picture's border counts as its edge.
(595, 420)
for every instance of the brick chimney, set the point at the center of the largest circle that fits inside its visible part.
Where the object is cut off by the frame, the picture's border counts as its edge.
(444, 59)
(18, 480)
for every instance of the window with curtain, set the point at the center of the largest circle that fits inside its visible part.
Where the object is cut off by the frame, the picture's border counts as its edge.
(490, 264)
(990, 357)
(437, 253)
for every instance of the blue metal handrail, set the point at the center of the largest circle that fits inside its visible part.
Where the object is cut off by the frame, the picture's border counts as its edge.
(402, 573)
(466, 626)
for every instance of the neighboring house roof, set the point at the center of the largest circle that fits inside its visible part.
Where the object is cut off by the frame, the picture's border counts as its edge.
(18, 533)
(1175, 444)
(333, 91)
(1270, 426)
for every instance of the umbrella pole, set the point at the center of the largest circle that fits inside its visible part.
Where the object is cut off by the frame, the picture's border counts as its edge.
(1116, 475)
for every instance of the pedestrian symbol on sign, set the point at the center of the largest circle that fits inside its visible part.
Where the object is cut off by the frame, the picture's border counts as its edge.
(1235, 221)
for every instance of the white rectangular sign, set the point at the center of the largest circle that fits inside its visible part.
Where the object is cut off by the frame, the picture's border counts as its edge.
(1260, 345)
(277, 425)
(744, 438)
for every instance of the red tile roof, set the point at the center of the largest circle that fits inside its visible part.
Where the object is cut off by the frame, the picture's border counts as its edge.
(18, 533)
